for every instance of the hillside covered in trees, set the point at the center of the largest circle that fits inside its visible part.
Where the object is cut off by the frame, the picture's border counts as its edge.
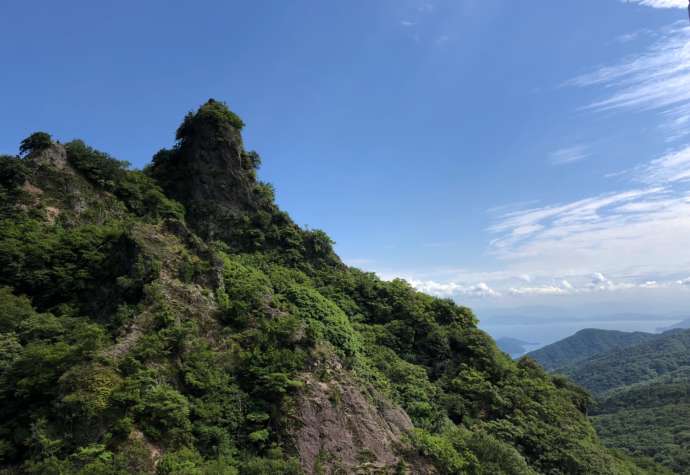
(175, 321)
(641, 386)
(585, 344)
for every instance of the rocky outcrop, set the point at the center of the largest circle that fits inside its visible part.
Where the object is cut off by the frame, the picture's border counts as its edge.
(208, 170)
(54, 156)
(344, 430)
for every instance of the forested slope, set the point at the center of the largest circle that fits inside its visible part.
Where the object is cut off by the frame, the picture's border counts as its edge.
(175, 321)
(585, 344)
(655, 357)
(642, 396)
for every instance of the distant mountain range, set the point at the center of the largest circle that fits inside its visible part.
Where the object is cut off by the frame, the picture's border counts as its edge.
(584, 344)
(641, 385)
(684, 325)
(514, 346)
(633, 363)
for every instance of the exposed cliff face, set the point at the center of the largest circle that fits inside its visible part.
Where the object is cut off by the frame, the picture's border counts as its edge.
(208, 171)
(342, 428)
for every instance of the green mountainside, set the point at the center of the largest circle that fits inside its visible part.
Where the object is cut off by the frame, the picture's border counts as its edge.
(175, 321)
(642, 392)
(654, 357)
(682, 325)
(650, 418)
(584, 344)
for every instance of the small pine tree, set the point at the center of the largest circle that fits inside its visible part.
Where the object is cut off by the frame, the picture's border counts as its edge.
(35, 143)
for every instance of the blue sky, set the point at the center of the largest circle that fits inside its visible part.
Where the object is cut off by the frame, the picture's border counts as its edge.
(502, 153)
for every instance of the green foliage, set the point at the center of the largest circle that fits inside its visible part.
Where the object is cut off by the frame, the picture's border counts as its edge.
(78, 266)
(36, 350)
(649, 419)
(661, 433)
(496, 457)
(657, 356)
(642, 390)
(13, 175)
(274, 462)
(88, 389)
(35, 143)
(138, 192)
(163, 411)
(245, 290)
(447, 458)
(325, 321)
(214, 112)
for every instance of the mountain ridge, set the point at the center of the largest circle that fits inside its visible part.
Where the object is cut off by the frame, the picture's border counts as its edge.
(641, 393)
(175, 320)
(584, 344)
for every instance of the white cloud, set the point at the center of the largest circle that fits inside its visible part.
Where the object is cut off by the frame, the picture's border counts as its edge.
(660, 3)
(569, 155)
(452, 289)
(542, 290)
(656, 79)
(639, 230)
(672, 167)
(595, 283)
(632, 240)
(631, 232)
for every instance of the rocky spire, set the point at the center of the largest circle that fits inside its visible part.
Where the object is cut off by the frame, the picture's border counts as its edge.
(208, 170)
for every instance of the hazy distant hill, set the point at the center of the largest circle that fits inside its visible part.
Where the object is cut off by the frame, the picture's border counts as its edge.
(585, 344)
(656, 355)
(684, 325)
(652, 418)
(513, 346)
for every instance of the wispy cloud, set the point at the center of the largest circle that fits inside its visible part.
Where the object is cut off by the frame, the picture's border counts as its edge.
(569, 155)
(656, 79)
(633, 239)
(419, 20)
(635, 231)
(609, 242)
(596, 283)
(660, 3)
(635, 35)
(672, 167)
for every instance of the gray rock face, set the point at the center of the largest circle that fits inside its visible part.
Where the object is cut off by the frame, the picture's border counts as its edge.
(54, 156)
(341, 428)
(208, 171)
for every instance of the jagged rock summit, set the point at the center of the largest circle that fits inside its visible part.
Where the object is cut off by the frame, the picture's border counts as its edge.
(208, 170)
